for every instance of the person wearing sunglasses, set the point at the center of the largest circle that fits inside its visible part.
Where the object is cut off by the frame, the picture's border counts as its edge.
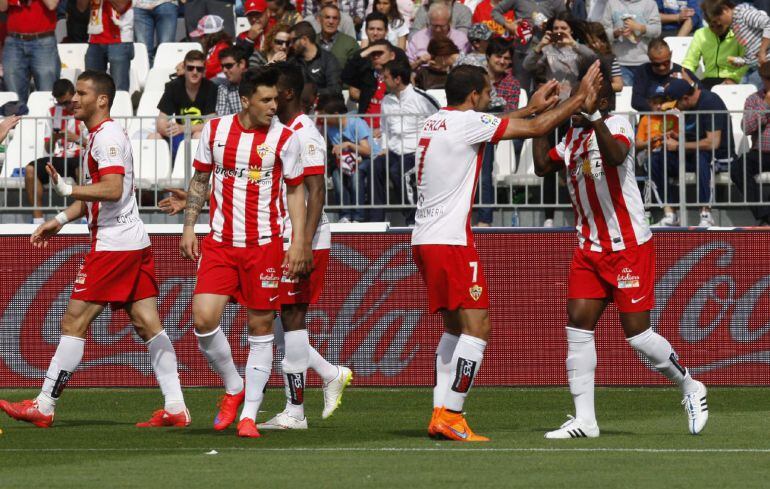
(189, 95)
(276, 47)
(234, 62)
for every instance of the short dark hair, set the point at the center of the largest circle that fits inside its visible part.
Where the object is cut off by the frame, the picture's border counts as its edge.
(291, 77)
(265, 76)
(236, 52)
(334, 105)
(462, 81)
(381, 42)
(764, 70)
(399, 68)
(102, 82)
(657, 43)
(62, 87)
(498, 46)
(374, 16)
(194, 55)
(304, 29)
(712, 8)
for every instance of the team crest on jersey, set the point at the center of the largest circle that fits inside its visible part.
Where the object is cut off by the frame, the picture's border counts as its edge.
(489, 120)
(113, 151)
(263, 149)
(310, 148)
(253, 174)
(476, 292)
(627, 279)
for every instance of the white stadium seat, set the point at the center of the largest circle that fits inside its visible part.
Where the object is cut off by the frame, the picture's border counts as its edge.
(504, 163)
(39, 104)
(623, 104)
(679, 47)
(157, 78)
(148, 104)
(140, 65)
(122, 110)
(439, 95)
(26, 145)
(523, 99)
(734, 96)
(152, 162)
(73, 55)
(178, 178)
(525, 171)
(241, 25)
(170, 54)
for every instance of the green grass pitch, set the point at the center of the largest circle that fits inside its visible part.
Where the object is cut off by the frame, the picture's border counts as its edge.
(377, 439)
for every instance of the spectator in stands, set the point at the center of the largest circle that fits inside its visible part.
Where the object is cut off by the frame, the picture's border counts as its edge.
(195, 10)
(253, 39)
(558, 55)
(596, 39)
(678, 18)
(499, 67)
(396, 26)
(282, 12)
(77, 22)
(364, 77)
(331, 39)
(346, 24)
(276, 49)
(432, 76)
(652, 77)
(352, 146)
(375, 28)
(234, 62)
(111, 39)
(319, 66)
(30, 47)
(714, 46)
(63, 145)
(353, 9)
(745, 168)
(6, 125)
(191, 95)
(630, 25)
(483, 15)
(478, 37)
(751, 28)
(706, 144)
(155, 18)
(214, 39)
(396, 166)
(439, 15)
(460, 16)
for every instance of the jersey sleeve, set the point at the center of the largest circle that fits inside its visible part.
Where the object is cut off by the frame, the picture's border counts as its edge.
(557, 152)
(482, 128)
(109, 153)
(313, 155)
(621, 130)
(291, 162)
(203, 160)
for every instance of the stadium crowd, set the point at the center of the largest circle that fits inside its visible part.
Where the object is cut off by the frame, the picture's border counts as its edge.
(388, 55)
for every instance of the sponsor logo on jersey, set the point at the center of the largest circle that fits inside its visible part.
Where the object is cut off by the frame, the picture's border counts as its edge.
(476, 291)
(627, 279)
(112, 151)
(253, 175)
(269, 279)
(489, 120)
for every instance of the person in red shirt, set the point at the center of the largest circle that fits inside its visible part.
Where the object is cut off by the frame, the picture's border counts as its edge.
(214, 39)
(483, 14)
(30, 46)
(111, 38)
(253, 39)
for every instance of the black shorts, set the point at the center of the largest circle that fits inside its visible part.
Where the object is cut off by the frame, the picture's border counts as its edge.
(67, 167)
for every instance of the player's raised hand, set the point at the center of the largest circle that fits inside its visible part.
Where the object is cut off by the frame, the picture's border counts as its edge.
(591, 102)
(546, 97)
(174, 203)
(44, 232)
(62, 188)
(592, 80)
(188, 245)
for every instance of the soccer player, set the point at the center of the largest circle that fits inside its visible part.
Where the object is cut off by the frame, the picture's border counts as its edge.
(119, 270)
(614, 259)
(298, 293)
(249, 155)
(449, 153)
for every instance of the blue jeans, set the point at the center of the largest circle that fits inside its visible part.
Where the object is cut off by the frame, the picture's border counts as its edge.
(388, 171)
(487, 191)
(38, 58)
(353, 190)
(629, 73)
(159, 22)
(119, 57)
(661, 176)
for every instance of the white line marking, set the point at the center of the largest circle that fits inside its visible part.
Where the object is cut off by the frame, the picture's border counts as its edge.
(395, 449)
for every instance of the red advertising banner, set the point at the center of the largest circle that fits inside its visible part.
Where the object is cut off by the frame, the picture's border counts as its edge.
(712, 295)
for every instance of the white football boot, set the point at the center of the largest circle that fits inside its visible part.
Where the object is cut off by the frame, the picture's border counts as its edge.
(574, 428)
(697, 409)
(284, 421)
(333, 390)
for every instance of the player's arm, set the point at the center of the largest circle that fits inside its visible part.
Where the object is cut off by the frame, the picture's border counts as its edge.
(709, 143)
(108, 189)
(299, 256)
(316, 198)
(49, 228)
(545, 98)
(197, 193)
(542, 155)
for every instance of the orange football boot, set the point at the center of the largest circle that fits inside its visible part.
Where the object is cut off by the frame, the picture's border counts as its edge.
(162, 418)
(432, 425)
(27, 411)
(228, 409)
(453, 426)
(247, 428)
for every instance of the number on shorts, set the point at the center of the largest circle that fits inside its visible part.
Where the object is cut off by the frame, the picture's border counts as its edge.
(475, 266)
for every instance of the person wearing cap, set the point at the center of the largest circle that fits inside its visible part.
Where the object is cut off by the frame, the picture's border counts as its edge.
(439, 27)
(111, 39)
(331, 39)
(319, 66)
(346, 24)
(706, 144)
(253, 39)
(652, 77)
(195, 10)
(214, 39)
(483, 15)
(155, 18)
(478, 37)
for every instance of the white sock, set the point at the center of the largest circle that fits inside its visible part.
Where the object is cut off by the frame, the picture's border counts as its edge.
(581, 367)
(216, 349)
(258, 367)
(659, 352)
(466, 361)
(324, 369)
(279, 342)
(68, 355)
(443, 374)
(163, 359)
(294, 365)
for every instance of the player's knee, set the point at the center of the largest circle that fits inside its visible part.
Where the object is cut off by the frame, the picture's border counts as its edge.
(204, 321)
(29, 172)
(72, 325)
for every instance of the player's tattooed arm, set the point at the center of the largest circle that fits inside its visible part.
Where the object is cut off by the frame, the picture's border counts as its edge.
(544, 165)
(196, 196)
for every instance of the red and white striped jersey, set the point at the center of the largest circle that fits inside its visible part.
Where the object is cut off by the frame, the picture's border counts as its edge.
(609, 213)
(450, 147)
(249, 167)
(313, 160)
(114, 226)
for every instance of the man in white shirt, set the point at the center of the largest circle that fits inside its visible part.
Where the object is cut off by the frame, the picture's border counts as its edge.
(404, 110)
